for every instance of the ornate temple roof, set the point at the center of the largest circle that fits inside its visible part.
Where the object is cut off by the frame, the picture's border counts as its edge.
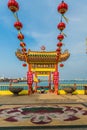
(42, 56)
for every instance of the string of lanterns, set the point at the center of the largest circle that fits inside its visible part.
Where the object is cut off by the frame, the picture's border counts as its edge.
(14, 7)
(62, 9)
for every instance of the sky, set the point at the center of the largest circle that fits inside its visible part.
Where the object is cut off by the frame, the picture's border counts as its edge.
(40, 19)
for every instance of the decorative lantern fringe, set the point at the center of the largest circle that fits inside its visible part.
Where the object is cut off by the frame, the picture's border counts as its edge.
(66, 19)
(86, 41)
(64, 34)
(86, 50)
(16, 16)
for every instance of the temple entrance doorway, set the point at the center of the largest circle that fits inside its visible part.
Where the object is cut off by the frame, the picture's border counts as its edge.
(42, 81)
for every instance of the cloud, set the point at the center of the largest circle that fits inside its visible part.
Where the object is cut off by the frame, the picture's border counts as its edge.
(47, 39)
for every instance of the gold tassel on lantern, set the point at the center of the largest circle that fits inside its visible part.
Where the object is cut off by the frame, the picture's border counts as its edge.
(64, 34)
(66, 19)
(16, 16)
(86, 50)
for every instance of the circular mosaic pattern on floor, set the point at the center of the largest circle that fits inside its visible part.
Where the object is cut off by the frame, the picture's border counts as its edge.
(42, 114)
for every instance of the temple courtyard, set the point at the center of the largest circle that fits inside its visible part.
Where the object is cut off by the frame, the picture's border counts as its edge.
(43, 111)
(42, 98)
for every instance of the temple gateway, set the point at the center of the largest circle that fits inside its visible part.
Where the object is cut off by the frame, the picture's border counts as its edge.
(41, 63)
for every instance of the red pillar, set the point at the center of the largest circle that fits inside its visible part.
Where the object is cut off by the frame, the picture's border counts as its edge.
(35, 82)
(30, 89)
(49, 80)
(56, 81)
(30, 82)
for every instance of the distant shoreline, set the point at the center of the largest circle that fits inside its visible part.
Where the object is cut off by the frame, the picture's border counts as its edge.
(8, 80)
(12, 79)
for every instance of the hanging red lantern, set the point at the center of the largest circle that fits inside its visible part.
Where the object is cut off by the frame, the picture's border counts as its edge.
(20, 36)
(62, 7)
(61, 65)
(58, 49)
(58, 53)
(43, 48)
(59, 44)
(60, 37)
(24, 65)
(24, 49)
(18, 25)
(22, 44)
(13, 5)
(61, 26)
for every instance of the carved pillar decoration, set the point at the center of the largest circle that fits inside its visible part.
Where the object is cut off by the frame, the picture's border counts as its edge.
(30, 82)
(56, 81)
(35, 82)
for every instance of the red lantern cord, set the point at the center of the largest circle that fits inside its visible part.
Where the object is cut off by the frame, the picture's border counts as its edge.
(16, 16)
(62, 9)
(14, 7)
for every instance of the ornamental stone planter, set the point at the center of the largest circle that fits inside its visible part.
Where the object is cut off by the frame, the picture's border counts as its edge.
(15, 90)
(69, 90)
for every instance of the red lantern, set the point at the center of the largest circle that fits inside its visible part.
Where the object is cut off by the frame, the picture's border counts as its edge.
(24, 49)
(59, 44)
(22, 44)
(61, 65)
(13, 5)
(58, 49)
(62, 7)
(20, 36)
(18, 25)
(60, 37)
(58, 53)
(61, 26)
(24, 65)
(43, 48)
